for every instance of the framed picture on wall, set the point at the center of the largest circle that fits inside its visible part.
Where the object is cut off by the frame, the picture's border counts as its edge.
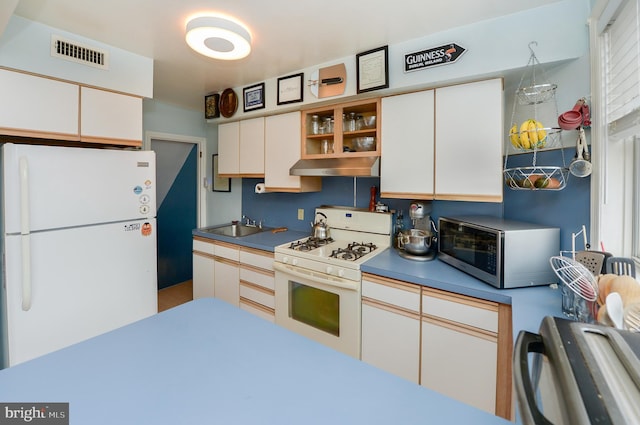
(253, 97)
(211, 106)
(372, 69)
(290, 89)
(220, 184)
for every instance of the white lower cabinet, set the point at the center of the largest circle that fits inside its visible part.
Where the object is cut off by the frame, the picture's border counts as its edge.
(216, 270)
(460, 364)
(203, 268)
(239, 275)
(227, 273)
(257, 283)
(456, 345)
(391, 326)
(226, 278)
(459, 353)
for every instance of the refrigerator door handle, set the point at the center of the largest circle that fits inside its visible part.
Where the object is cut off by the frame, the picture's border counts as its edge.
(25, 233)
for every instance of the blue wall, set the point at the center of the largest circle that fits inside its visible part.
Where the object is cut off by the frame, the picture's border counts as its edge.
(567, 209)
(176, 218)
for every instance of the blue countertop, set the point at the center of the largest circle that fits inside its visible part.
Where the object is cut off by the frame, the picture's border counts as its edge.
(209, 362)
(529, 305)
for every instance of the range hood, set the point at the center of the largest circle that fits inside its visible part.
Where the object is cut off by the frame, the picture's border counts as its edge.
(364, 166)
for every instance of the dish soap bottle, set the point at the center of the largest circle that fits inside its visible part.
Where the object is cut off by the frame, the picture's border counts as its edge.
(399, 229)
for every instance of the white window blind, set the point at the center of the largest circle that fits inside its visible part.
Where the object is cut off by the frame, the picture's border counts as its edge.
(622, 71)
(615, 70)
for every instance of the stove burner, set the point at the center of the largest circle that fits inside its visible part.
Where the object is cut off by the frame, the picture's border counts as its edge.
(363, 248)
(353, 251)
(309, 244)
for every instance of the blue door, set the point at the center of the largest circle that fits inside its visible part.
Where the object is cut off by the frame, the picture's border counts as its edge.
(177, 209)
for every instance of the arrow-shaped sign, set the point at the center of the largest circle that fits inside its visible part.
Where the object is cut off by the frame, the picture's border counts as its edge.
(441, 55)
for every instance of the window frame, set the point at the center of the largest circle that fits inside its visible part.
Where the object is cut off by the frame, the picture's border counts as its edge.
(615, 198)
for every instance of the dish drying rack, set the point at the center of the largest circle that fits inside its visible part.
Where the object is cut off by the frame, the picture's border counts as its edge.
(535, 100)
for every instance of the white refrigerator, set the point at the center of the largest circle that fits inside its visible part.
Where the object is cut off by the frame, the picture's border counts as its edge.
(78, 245)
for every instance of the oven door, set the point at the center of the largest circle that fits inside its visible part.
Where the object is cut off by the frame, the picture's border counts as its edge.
(319, 306)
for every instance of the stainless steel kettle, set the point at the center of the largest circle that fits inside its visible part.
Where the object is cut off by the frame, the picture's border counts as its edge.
(320, 229)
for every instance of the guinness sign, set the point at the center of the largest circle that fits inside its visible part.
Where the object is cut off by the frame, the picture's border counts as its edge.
(441, 55)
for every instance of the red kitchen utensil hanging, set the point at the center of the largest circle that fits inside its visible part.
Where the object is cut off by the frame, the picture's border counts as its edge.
(571, 120)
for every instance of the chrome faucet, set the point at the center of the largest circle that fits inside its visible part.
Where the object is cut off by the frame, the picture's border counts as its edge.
(248, 221)
(251, 223)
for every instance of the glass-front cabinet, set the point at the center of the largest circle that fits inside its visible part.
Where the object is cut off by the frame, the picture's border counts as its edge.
(342, 130)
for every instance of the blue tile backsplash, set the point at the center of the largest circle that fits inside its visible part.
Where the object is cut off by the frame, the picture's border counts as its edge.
(567, 209)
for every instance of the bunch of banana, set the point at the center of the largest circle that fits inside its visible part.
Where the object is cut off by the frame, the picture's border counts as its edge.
(531, 135)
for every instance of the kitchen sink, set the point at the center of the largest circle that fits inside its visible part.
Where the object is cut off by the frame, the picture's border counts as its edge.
(240, 231)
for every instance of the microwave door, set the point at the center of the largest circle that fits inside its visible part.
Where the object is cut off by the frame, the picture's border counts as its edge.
(474, 250)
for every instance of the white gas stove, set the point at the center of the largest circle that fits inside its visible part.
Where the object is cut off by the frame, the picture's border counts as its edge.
(355, 236)
(318, 282)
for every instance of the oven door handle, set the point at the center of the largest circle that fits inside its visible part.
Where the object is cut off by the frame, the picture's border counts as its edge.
(316, 277)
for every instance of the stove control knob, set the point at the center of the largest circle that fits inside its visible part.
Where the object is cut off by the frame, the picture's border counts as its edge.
(329, 270)
(294, 261)
(341, 273)
(285, 260)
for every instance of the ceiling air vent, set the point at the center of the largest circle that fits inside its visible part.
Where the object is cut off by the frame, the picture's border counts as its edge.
(76, 52)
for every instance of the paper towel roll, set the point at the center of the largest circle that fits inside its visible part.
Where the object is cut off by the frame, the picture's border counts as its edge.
(260, 188)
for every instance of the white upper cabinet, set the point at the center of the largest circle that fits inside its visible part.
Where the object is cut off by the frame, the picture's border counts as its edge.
(469, 131)
(406, 169)
(281, 151)
(241, 148)
(107, 116)
(444, 143)
(47, 108)
(252, 147)
(228, 148)
(38, 107)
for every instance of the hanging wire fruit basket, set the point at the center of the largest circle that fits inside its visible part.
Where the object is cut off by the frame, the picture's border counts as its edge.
(534, 115)
(535, 178)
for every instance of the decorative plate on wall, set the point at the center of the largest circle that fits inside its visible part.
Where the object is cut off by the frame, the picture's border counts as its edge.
(228, 103)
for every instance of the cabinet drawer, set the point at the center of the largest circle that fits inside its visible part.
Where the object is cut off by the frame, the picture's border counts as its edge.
(465, 310)
(258, 310)
(203, 246)
(257, 277)
(398, 294)
(228, 251)
(256, 258)
(257, 294)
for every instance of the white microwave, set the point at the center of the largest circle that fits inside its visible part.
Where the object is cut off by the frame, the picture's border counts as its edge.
(503, 253)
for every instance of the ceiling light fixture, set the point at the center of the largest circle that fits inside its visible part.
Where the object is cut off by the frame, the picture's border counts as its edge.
(218, 37)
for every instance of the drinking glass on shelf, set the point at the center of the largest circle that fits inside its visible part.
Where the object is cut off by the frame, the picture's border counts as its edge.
(327, 125)
(315, 124)
(351, 122)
